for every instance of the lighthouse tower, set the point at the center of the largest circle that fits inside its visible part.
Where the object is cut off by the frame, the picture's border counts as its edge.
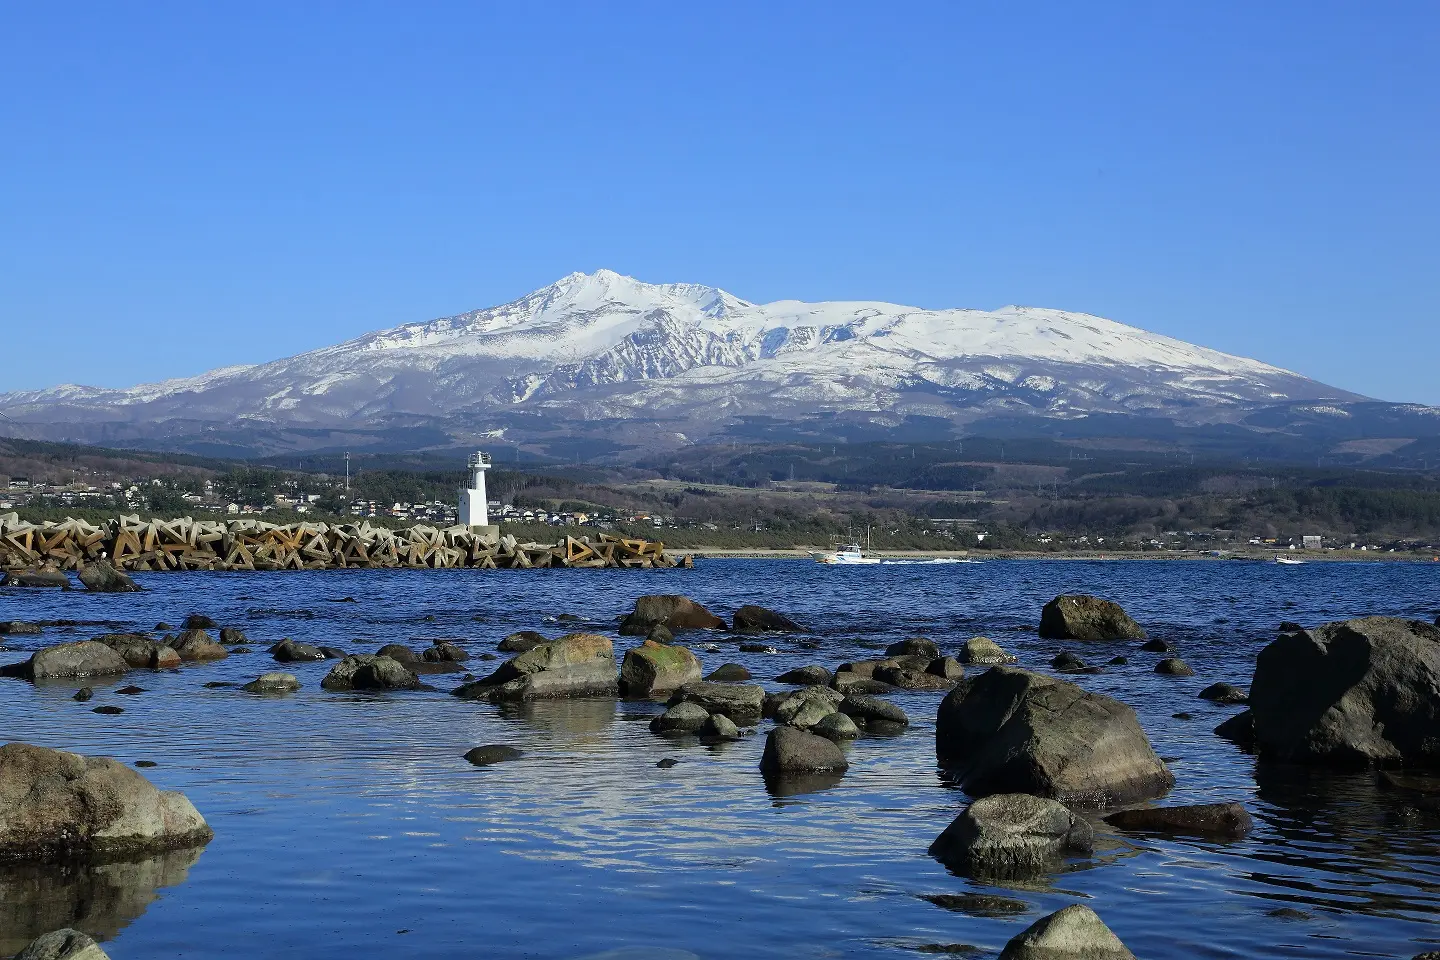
(474, 508)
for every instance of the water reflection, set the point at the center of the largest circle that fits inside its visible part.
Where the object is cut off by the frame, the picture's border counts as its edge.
(578, 723)
(98, 899)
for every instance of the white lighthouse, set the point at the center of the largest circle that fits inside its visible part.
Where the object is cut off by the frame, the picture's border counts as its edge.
(474, 507)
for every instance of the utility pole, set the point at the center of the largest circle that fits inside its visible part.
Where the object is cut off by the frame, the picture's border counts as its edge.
(347, 475)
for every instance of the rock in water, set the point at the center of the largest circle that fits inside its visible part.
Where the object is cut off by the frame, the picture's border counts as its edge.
(1158, 646)
(1075, 933)
(947, 667)
(753, 619)
(807, 676)
(805, 708)
(522, 641)
(55, 805)
(1358, 692)
(369, 672)
(671, 611)
(836, 726)
(1013, 731)
(719, 727)
(788, 750)
(1076, 616)
(101, 577)
(741, 703)
(576, 665)
(198, 621)
(654, 668)
(874, 715)
(83, 658)
(1012, 834)
(442, 651)
(493, 753)
(729, 673)
(196, 645)
(36, 578)
(398, 652)
(1174, 667)
(18, 627)
(681, 718)
(1239, 729)
(1224, 693)
(914, 647)
(983, 650)
(288, 651)
(232, 636)
(1229, 820)
(273, 683)
(141, 651)
(64, 944)
(660, 634)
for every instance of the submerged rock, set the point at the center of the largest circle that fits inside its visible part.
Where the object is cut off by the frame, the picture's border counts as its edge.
(1012, 834)
(1229, 820)
(753, 619)
(788, 750)
(652, 669)
(983, 650)
(1075, 933)
(64, 944)
(19, 627)
(56, 805)
(1013, 731)
(1358, 692)
(102, 577)
(741, 703)
(370, 672)
(273, 683)
(672, 611)
(576, 665)
(493, 753)
(1078, 616)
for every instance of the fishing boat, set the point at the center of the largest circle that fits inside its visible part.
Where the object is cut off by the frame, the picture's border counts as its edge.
(1288, 561)
(845, 556)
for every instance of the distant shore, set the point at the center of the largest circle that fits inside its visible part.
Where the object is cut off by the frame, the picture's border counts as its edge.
(805, 553)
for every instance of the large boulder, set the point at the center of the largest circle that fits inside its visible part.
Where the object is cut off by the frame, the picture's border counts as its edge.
(1013, 731)
(55, 805)
(1011, 834)
(576, 665)
(196, 645)
(1075, 933)
(681, 718)
(805, 708)
(36, 578)
(806, 676)
(521, 641)
(288, 651)
(370, 672)
(788, 750)
(1076, 616)
(729, 673)
(753, 619)
(653, 668)
(670, 610)
(83, 658)
(983, 651)
(102, 577)
(443, 651)
(1358, 692)
(64, 944)
(742, 703)
(914, 647)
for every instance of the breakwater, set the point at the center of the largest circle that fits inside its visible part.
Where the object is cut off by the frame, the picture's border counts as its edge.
(131, 543)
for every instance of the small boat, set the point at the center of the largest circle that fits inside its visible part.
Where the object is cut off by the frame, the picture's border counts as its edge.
(1288, 561)
(847, 555)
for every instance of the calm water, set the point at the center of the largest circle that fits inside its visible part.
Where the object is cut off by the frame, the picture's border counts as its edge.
(347, 825)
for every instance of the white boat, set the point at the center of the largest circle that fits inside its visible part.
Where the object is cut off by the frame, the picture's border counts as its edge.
(847, 555)
(1288, 561)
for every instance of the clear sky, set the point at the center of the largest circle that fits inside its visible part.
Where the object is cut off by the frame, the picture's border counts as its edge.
(187, 185)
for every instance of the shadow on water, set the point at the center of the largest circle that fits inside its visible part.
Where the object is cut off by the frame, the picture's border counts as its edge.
(796, 784)
(99, 899)
(1348, 828)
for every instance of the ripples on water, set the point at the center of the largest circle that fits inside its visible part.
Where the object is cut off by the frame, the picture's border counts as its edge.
(348, 824)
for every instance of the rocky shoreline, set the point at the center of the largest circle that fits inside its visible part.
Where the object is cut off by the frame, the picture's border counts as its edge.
(1042, 758)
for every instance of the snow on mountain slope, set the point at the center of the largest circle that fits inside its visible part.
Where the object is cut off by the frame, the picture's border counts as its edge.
(607, 346)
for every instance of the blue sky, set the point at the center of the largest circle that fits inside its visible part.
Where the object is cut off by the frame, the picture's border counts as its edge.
(188, 185)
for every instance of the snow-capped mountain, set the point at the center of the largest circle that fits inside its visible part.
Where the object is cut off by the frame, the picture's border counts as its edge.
(691, 358)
